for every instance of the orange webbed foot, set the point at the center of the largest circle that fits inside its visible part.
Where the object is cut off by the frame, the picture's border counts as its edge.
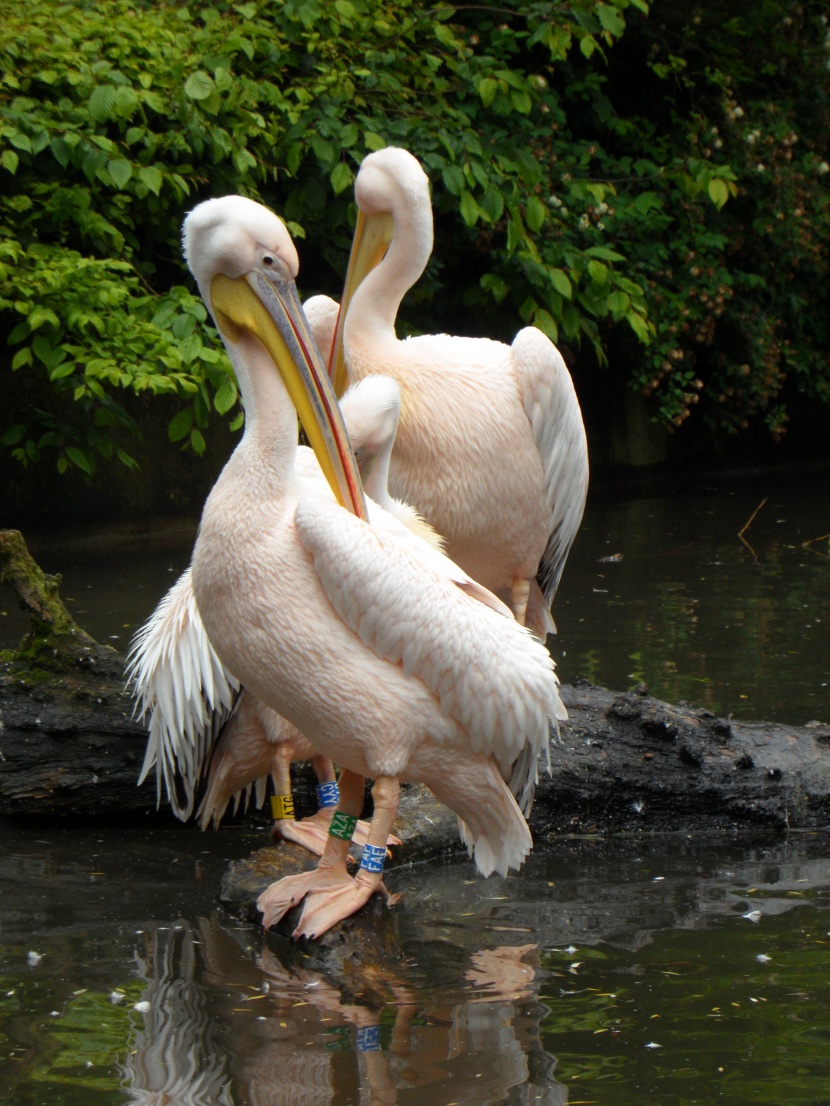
(277, 900)
(324, 908)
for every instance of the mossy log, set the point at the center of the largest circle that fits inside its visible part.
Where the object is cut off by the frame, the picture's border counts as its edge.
(623, 762)
(68, 742)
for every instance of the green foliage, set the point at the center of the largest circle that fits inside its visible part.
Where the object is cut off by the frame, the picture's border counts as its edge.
(736, 290)
(608, 215)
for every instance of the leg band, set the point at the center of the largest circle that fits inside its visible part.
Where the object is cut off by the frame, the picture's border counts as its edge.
(368, 1038)
(282, 808)
(342, 825)
(373, 858)
(328, 794)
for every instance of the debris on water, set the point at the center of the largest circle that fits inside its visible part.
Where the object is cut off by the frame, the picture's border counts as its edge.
(34, 958)
(762, 958)
(653, 1044)
(142, 1007)
(116, 997)
(753, 916)
(611, 559)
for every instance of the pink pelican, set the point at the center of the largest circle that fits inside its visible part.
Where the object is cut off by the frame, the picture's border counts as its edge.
(491, 447)
(390, 660)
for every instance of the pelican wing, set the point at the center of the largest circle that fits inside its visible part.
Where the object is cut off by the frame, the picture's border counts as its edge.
(556, 421)
(488, 673)
(401, 524)
(178, 680)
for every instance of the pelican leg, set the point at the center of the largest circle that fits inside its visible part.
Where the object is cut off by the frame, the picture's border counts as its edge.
(311, 832)
(519, 597)
(326, 906)
(330, 873)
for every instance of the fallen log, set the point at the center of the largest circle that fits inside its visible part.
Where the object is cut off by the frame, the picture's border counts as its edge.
(622, 763)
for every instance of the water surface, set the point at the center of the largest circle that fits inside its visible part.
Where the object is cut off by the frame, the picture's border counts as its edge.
(627, 970)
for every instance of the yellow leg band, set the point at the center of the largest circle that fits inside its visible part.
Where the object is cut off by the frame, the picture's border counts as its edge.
(282, 808)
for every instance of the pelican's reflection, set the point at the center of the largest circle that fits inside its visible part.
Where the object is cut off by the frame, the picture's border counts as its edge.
(225, 1025)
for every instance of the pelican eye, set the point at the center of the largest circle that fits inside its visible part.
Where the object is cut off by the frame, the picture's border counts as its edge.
(274, 264)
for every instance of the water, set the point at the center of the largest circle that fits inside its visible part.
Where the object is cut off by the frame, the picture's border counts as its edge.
(665, 970)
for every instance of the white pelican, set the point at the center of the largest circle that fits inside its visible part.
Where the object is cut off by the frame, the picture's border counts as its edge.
(198, 717)
(363, 636)
(491, 447)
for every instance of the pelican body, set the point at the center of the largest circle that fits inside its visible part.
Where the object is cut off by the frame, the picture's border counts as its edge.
(491, 447)
(385, 661)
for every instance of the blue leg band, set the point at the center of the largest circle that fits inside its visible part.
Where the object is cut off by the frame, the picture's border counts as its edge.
(328, 794)
(368, 1038)
(373, 858)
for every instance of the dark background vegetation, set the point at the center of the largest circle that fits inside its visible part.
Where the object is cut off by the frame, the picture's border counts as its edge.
(646, 182)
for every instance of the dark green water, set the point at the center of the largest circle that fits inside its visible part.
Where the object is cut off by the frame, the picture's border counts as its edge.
(661, 970)
(665, 970)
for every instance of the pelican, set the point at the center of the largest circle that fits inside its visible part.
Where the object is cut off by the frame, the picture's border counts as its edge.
(491, 447)
(198, 714)
(389, 658)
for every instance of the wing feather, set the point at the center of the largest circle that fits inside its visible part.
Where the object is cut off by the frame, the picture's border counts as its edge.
(552, 407)
(183, 689)
(488, 673)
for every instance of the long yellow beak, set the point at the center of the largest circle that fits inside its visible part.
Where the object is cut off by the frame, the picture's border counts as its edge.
(372, 235)
(273, 313)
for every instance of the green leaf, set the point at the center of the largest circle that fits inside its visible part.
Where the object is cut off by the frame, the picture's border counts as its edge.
(561, 282)
(493, 204)
(469, 209)
(340, 177)
(718, 192)
(374, 141)
(618, 304)
(180, 425)
(225, 397)
(199, 85)
(102, 103)
(598, 272)
(453, 179)
(10, 161)
(521, 101)
(488, 90)
(535, 214)
(151, 176)
(126, 102)
(66, 369)
(197, 442)
(546, 323)
(79, 459)
(21, 358)
(120, 170)
(60, 151)
(640, 327)
(20, 141)
(13, 434)
(604, 254)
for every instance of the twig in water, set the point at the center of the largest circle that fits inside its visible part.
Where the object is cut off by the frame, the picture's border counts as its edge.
(812, 541)
(751, 518)
(747, 525)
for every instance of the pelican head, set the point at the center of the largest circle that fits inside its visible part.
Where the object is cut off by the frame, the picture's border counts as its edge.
(235, 236)
(245, 264)
(392, 194)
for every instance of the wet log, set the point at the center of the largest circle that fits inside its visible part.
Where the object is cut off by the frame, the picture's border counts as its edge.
(622, 763)
(68, 743)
